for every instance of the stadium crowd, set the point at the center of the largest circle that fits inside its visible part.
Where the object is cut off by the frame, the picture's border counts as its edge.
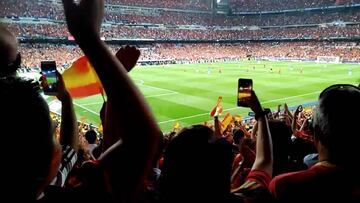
(54, 10)
(180, 4)
(178, 18)
(33, 54)
(126, 32)
(286, 156)
(263, 5)
(16, 8)
(46, 9)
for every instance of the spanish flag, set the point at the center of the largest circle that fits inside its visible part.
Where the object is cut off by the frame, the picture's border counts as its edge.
(226, 121)
(217, 109)
(100, 128)
(83, 119)
(237, 118)
(176, 126)
(81, 80)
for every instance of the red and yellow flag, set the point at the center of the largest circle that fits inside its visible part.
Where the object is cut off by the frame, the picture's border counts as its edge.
(237, 118)
(217, 110)
(176, 126)
(226, 121)
(81, 80)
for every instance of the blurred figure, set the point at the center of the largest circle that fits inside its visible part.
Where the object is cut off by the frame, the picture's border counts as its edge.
(197, 165)
(37, 159)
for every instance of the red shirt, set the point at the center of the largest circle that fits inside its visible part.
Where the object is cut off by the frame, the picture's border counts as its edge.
(320, 183)
(255, 188)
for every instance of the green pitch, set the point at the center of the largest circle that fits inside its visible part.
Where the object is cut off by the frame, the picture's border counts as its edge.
(187, 93)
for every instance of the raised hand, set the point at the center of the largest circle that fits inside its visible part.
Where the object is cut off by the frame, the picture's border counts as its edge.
(84, 18)
(298, 109)
(128, 56)
(254, 103)
(62, 93)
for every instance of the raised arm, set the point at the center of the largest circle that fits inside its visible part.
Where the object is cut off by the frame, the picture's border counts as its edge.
(129, 160)
(128, 57)
(264, 152)
(294, 121)
(217, 127)
(287, 111)
(69, 126)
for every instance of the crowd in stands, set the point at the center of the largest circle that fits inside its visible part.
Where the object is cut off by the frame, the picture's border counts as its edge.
(65, 55)
(42, 9)
(263, 5)
(180, 4)
(45, 9)
(176, 18)
(126, 32)
(286, 156)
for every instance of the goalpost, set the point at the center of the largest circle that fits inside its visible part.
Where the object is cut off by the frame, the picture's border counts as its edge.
(328, 59)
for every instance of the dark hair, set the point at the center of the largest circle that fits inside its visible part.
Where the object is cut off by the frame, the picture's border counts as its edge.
(281, 139)
(91, 136)
(282, 146)
(11, 68)
(27, 130)
(196, 167)
(238, 134)
(337, 122)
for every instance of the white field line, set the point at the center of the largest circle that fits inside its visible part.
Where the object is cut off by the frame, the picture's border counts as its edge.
(160, 95)
(150, 96)
(203, 114)
(265, 102)
(89, 110)
(158, 88)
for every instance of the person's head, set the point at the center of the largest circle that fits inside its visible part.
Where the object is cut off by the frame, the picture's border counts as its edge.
(9, 58)
(91, 136)
(196, 166)
(238, 135)
(336, 124)
(281, 140)
(31, 153)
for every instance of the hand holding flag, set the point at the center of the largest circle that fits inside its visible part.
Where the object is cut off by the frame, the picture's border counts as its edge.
(217, 110)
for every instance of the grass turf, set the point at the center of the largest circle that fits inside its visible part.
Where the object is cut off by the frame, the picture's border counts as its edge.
(187, 93)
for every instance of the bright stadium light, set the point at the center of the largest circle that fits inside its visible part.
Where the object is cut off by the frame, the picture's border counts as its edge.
(218, 1)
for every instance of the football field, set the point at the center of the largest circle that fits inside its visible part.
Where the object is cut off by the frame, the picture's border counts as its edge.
(187, 93)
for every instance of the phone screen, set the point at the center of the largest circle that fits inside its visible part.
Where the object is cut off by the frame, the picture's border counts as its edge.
(48, 69)
(244, 91)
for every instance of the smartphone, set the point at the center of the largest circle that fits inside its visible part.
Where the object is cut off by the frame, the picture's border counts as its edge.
(49, 82)
(244, 91)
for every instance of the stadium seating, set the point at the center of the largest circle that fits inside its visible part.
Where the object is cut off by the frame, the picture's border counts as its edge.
(33, 54)
(264, 5)
(17, 8)
(126, 32)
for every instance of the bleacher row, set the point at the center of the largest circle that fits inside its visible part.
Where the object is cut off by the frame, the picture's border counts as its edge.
(16, 9)
(127, 32)
(206, 5)
(33, 54)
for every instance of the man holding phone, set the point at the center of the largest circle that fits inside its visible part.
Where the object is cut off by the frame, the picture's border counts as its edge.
(28, 130)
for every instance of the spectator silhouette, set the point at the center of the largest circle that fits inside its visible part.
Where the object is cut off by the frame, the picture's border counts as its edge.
(335, 177)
